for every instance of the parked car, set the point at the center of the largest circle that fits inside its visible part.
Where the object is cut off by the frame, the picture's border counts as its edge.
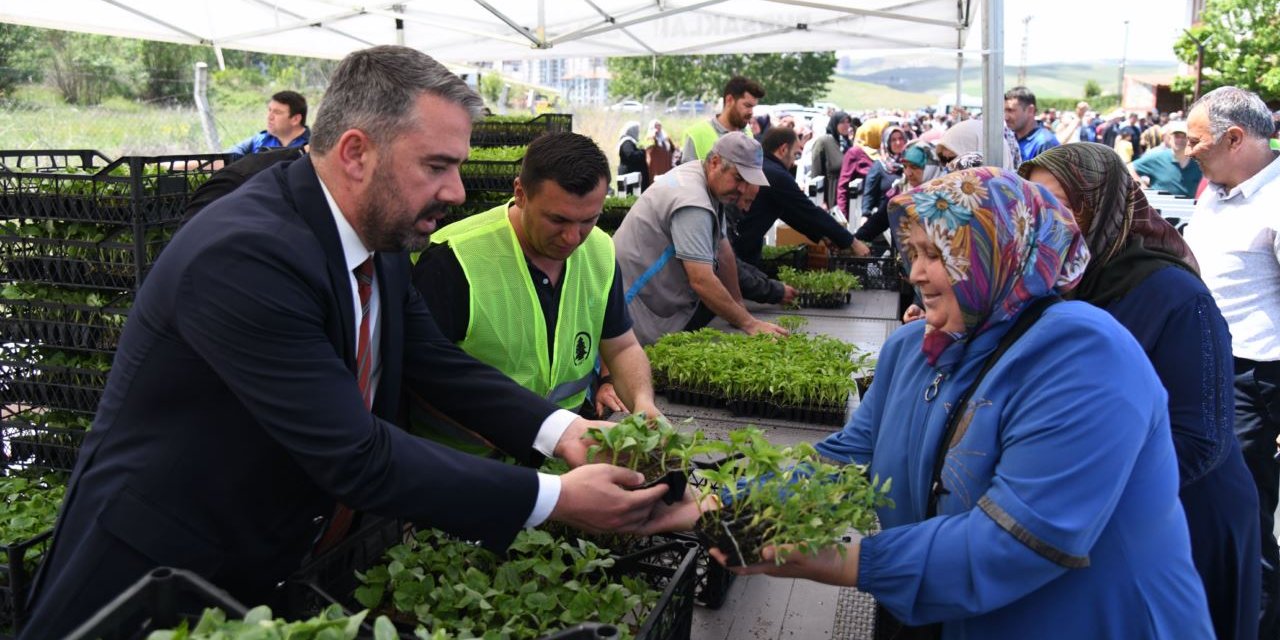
(630, 106)
(690, 107)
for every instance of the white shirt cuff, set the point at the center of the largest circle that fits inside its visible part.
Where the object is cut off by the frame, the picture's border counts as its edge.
(551, 430)
(548, 496)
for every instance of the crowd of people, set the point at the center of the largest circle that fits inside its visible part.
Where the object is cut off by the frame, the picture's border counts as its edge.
(1033, 503)
(1079, 416)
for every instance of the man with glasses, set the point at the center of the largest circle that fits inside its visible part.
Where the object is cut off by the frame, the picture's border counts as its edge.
(677, 265)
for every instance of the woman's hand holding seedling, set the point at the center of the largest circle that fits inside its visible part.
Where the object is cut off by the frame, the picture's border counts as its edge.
(834, 565)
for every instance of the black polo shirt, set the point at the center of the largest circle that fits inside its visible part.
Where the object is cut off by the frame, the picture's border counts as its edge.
(439, 276)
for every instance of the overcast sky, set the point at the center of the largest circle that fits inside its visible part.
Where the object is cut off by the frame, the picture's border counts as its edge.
(1078, 30)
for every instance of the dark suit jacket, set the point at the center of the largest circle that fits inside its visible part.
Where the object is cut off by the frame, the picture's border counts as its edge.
(232, 419)
(784, 199)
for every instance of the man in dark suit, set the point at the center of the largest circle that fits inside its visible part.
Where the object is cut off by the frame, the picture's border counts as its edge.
(261, 365)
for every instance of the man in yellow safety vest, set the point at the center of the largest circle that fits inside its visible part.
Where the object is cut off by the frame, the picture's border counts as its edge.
(532, 288)
(741, 96)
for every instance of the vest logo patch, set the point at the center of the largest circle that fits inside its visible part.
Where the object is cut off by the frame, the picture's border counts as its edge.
(581, 347)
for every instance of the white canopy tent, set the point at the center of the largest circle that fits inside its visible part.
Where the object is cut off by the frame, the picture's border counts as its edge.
(475, 30)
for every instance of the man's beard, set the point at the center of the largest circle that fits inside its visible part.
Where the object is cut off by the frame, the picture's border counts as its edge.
(387, 227)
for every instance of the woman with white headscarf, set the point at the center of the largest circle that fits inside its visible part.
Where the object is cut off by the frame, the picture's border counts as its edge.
(961, 148)
(631, 158)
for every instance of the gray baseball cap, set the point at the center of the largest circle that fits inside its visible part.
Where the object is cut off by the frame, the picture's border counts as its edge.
(745, 154)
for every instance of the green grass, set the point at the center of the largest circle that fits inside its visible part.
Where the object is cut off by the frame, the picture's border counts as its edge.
(36, 118)
(854, 95)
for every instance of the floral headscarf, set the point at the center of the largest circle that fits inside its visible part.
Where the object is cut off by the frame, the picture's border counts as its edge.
(1004, 241)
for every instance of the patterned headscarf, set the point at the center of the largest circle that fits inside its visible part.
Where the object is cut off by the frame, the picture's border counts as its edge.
(1004, 241)
(921, 153)
(1120, 226)
(892, 163)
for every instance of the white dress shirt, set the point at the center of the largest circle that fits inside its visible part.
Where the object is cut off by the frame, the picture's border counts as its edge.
(553, 427)
(1235, 236)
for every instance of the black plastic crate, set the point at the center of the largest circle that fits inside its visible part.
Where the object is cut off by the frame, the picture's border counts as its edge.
(37, 384)
(83, 186)
(713, 579)
(874, 273)
(65, 326)
(515, 134)
(160, 600)
(21, 559)
(28, 444)
(611, 218)
(118, 263)
(490, 175)
(797, 258)
(331, 579)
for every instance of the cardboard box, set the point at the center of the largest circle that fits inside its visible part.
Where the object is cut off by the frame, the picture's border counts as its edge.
(786, 236)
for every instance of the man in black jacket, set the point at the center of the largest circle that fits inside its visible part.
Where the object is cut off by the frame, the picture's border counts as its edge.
(249, 407)
(784, 199)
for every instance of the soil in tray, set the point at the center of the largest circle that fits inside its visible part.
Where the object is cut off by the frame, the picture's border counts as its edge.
(737, 539)
(680, 395)
(755, 408)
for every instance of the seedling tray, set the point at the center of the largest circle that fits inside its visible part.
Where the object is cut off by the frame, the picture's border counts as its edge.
(331, 579)
(83, 186)
(492, 133)
(822, 300)
(874, 273)
(680, 395)
(490, 175)
(797, 258)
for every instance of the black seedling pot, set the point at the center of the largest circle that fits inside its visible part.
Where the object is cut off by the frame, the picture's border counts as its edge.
(676, 480)
(736, 538)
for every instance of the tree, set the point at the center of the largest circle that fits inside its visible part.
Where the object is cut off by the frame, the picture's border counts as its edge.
(786, 77)
(170, 71)
(1092, 89)
(1241, 40)
(17, 56)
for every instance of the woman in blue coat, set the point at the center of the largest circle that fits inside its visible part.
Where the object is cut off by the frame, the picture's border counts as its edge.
(1144, 275)
(1057, 512)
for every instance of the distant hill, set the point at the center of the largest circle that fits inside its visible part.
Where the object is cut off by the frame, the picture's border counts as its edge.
(853, 95)
(1050, 81)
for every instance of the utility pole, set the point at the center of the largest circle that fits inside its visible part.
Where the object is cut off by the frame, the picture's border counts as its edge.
(1026, 37)
(1124, 57)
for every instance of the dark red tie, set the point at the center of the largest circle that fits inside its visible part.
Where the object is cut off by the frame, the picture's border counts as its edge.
(342, 514)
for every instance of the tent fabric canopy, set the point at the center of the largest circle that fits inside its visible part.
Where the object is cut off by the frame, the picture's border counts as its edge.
(475, 30)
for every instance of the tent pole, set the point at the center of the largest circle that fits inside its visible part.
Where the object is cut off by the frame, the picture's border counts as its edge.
(959, 68)
(993, 81)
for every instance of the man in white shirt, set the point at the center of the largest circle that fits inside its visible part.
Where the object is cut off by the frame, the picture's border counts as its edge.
(1235, 235)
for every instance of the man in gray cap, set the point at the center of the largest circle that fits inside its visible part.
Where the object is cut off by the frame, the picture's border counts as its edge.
(676, 261)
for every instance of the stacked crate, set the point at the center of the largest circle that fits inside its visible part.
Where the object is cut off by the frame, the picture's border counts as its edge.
(78, 233)
(488, 183)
